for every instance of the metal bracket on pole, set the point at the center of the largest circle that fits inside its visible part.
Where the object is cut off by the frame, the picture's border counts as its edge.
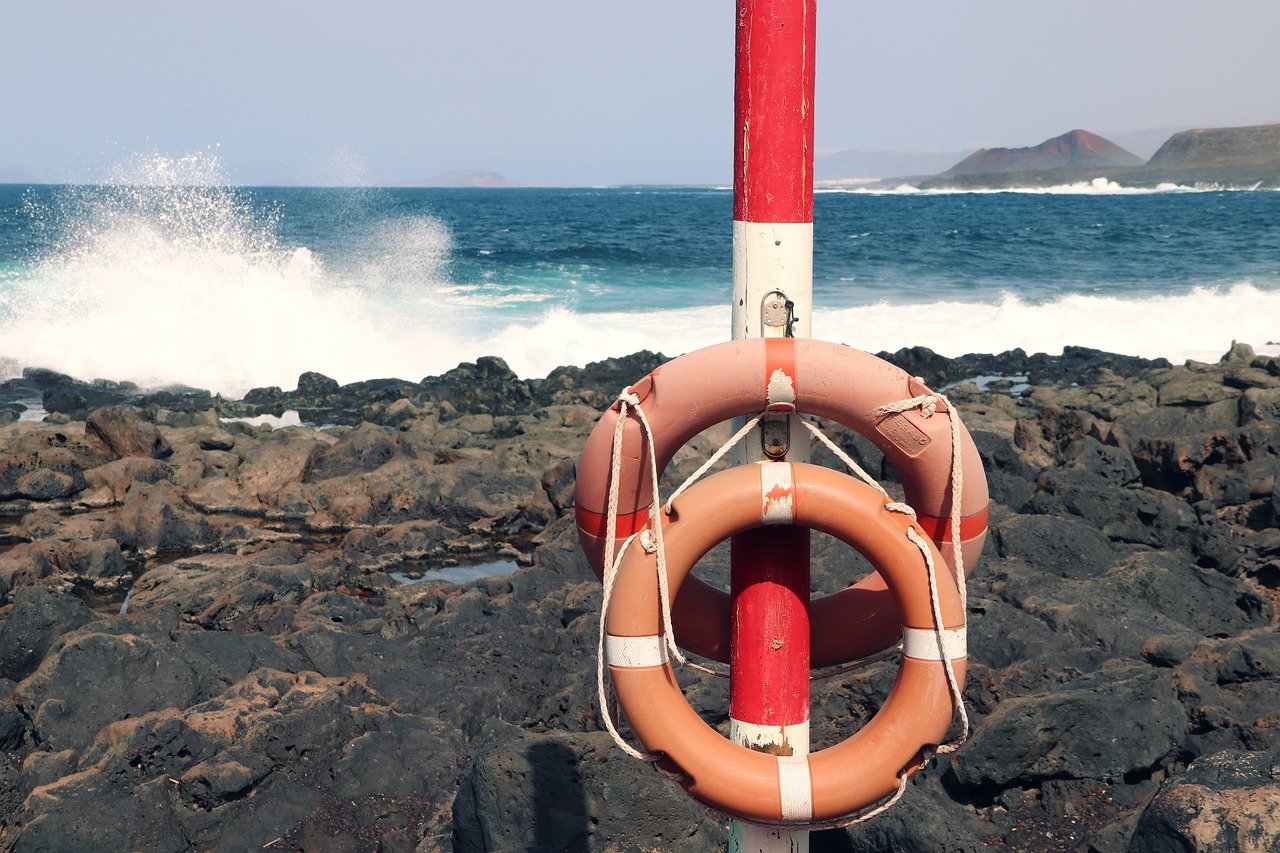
(775, 435)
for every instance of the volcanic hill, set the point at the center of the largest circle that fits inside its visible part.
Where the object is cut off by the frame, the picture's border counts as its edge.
(1074, 150)
(1218, 147)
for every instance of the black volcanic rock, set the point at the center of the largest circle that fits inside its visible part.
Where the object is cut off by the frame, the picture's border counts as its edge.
(1115, 722)
(1224, 802)
(1073, 150)
(271, 674)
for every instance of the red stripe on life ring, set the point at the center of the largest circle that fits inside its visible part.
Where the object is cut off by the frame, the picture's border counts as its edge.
(780, 355)
(939, 529)
(596, 524)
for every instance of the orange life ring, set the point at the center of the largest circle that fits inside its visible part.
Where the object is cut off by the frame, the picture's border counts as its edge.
(832, 783)
(705, 387)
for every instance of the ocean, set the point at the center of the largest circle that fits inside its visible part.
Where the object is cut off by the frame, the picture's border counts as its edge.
(164, 275)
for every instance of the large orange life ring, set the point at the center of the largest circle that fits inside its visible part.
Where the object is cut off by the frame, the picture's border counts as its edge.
(834, 782)
(705, 387)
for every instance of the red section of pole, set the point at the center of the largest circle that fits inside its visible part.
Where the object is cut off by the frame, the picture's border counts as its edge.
(773, 183)
(770, 650)
(772, 254)
(773, 111)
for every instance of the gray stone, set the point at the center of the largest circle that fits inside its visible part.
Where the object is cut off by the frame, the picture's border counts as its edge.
(1223, 803)
(1101, 726)
(1066, 547)
(123, 431)
(562, 791)
(38, 619)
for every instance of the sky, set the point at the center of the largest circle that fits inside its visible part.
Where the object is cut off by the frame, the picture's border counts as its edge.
(584, 92)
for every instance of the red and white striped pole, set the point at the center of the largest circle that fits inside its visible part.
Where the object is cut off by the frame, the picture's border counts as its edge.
(772, 297)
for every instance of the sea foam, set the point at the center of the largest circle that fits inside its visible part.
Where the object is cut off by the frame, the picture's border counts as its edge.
(165, 276)
(1200, 324)
(1095, 186)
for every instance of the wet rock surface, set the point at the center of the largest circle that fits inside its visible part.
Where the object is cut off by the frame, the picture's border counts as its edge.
(270, 681)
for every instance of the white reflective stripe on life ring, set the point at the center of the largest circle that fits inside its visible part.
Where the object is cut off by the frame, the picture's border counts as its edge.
(634, 652)
(777, 493)
(922, 643)
(796, 786)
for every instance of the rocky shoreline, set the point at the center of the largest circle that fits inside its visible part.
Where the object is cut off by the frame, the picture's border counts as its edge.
(206, 641)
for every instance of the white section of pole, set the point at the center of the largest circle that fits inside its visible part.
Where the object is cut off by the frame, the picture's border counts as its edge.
(769, 256)
(747, 837)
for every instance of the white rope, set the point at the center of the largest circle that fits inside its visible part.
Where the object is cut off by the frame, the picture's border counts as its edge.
(654, 544)
(957, 698)
(844, 457)
(610, 572)
(928, 405)
(832, 823)
(715, 457)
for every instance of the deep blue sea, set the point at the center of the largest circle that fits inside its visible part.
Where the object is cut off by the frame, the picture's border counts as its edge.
(160, 280)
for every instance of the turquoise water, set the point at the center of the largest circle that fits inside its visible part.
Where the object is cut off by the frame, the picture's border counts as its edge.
(230, 288)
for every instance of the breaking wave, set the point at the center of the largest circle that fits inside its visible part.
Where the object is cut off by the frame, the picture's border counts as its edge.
(164, 275)
(1200, 324)
(1096, 186)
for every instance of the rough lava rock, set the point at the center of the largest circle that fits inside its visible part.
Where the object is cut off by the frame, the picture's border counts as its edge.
(291, 669)
(1225, 802)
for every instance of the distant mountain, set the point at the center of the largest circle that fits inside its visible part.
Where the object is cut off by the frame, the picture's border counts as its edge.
(1220, 147)
(1078, 149)
(854, 163)
(1144, 142)
(14, 175)
(463, 178)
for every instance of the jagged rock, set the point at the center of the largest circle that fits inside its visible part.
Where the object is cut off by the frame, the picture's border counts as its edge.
(1109, 397)
(595, 385)
(486, 387)
(1231, 688)
(39, 617)
(41, 475)
(365, 448)
(1114, 464)
(156, 519)
(95, 679)
(1223, 803)
(572, 791)
(211, 438)
(1195, 390)
(313, 384)
(1239, 353)
(76, 560)
(1117, 721)
(1137, 516)
(115, 479)
(123, 431)
(78, 399)
(1260, 405)
(1063, 546)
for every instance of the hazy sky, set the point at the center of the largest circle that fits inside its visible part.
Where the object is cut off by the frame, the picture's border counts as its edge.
(595, 91)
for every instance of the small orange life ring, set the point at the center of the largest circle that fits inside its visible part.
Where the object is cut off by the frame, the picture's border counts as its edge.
(711, 385)
(840, 780)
